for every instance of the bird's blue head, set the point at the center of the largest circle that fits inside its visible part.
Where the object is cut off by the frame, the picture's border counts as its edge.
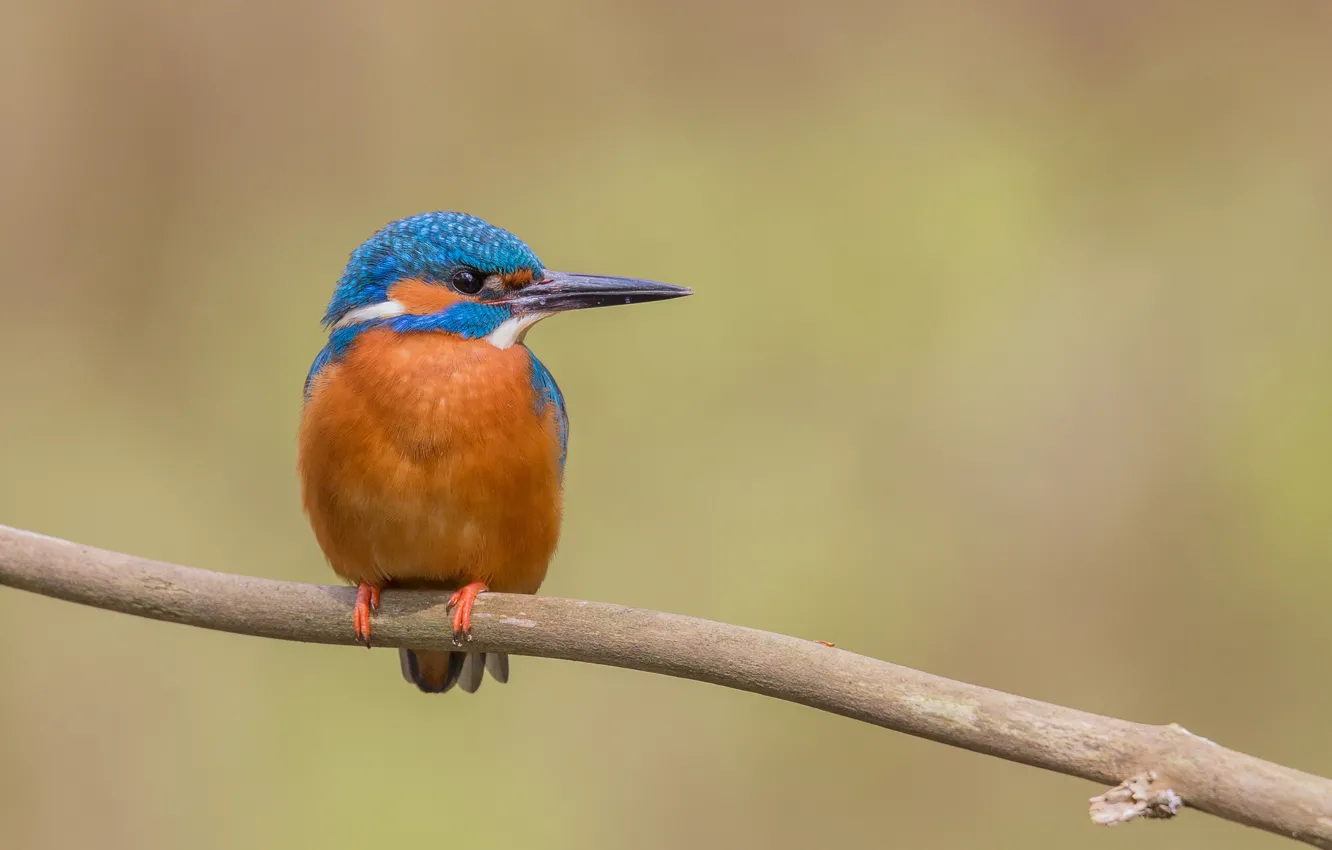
(430, 248)
(454, 273)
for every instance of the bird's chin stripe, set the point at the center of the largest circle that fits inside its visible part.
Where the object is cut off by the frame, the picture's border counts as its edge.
(513, 330)
(370, 312)
(509, 332)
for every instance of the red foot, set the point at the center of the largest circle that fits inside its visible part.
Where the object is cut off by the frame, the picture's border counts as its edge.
(367, 600)
(460, 603)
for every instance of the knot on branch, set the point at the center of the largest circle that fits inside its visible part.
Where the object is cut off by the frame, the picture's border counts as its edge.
(1137, 797)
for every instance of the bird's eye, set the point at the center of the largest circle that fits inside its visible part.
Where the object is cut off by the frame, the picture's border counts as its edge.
(467, 281)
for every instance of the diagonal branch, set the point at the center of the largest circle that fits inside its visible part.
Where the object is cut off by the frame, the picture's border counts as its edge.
(1155, 769)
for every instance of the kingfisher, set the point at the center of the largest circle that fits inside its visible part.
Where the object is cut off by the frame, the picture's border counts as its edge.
(432, 440)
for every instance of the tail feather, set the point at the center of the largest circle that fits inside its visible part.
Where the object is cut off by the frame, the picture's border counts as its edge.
(498, 665)
(436, 671)
(473, 671)
(431, 671)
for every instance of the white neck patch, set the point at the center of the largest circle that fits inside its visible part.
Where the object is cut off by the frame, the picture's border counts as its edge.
(382, 310)
(510, 331)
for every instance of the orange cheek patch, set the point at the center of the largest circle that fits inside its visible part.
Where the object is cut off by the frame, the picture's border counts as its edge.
(514, 280)
(420, 298)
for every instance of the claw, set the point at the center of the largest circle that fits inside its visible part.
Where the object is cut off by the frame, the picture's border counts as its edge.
(460, 603)
(367, 600)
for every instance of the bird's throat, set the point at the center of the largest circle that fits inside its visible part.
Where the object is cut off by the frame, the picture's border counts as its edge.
(513, 330)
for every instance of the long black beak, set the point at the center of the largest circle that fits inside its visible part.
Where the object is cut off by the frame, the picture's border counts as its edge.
(562, 291)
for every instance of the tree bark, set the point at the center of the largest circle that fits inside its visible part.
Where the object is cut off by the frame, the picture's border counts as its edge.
(1155, 769)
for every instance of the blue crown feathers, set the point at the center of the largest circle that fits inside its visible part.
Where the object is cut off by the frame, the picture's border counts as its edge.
(427, 247)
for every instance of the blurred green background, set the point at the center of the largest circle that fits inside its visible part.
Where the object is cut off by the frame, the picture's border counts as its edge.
(1009, 360)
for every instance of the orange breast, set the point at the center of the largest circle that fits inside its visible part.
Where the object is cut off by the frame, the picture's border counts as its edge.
(423, 459)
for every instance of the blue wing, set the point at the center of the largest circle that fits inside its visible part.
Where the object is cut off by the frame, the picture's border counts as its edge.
(321, 360)
(338, 343)
(548, 392)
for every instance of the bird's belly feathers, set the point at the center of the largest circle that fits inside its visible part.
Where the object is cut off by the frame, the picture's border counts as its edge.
(427, 459)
